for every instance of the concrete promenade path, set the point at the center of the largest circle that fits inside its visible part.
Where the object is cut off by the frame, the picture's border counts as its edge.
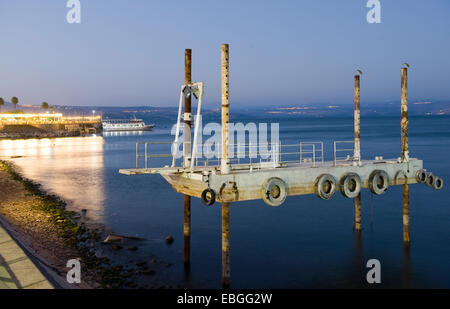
(17, 271)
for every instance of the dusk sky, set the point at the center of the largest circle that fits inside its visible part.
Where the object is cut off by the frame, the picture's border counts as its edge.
(281, 52)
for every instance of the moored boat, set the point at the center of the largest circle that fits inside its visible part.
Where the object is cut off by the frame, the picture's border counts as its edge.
(126, 125)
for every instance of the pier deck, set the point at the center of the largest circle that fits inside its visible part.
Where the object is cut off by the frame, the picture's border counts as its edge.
(246, 182)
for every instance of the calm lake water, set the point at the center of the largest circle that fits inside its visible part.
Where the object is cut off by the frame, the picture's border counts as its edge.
(305, 243)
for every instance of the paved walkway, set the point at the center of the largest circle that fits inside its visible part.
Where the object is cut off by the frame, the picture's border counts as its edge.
(17, 271)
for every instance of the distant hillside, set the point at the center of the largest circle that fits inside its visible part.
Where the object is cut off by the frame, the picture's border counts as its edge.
(415, 108)
(162, 114)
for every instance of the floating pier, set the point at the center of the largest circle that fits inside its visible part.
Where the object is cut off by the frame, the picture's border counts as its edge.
(274, 180)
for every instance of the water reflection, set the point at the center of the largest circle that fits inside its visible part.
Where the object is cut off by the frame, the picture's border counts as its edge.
(123, 133)
(358, 270)
(406, 270)
(358, 248)
(69, 167)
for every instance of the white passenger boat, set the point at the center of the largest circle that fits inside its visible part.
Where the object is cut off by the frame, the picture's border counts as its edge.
(110, 125)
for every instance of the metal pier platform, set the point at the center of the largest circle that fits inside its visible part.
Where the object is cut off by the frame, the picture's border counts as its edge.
(249, 182)
(274, 174)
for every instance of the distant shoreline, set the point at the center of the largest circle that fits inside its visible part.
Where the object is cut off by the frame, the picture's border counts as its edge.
(38, 136)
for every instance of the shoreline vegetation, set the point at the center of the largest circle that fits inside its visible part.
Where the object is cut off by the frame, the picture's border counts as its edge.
(57, 235)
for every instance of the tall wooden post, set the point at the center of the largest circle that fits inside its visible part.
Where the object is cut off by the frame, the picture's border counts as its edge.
(225, 163)
(187, 110)
(405, 152)
(186, 156)
(225, 245)
(404, 121)
(225, 77)
(357, 149)
(357, 117)
(406, 238)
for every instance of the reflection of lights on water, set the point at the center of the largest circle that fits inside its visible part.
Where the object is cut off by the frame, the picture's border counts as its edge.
(122, 133)
(69, 167)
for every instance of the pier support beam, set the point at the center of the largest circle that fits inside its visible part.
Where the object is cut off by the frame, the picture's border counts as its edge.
(357, 149)
(225, 163)
(404, 121)
(186, 157)
(405, 152)
(406, 239)
(357, 117)
(358, 213)
(225, 245)
(225, 77)
(187, 110)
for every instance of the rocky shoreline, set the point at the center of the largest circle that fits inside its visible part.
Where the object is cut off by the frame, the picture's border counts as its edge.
(57, 235)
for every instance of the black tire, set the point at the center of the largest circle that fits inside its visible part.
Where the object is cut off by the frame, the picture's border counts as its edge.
(421, 176)
(325, 186)
(378, 182)
(350, 185)
(431, 180)
(438, 184)
(208, 197)
(274, 191)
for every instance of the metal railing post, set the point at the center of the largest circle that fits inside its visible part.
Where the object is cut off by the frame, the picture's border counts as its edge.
(314, 155)
(137, 155)
(321, 145)
(334, 152)
(300, 152)
(146, 154)
(279, 150)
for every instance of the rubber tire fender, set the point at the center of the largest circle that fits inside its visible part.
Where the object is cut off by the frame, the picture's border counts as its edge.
(431, 180)
(373, 182)
(268, 185)
(421, 176)
(320, 189)
(212, 197)
(438, 184)
(345, 185)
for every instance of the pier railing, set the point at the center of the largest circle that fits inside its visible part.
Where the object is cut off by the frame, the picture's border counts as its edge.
(147, 155)
(311, 152)
(260, 155)
(252, 155)
(343, 151)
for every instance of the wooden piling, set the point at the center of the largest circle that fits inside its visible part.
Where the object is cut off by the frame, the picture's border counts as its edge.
(405, 152)
(225, 77)
(406, 238)
(404, 121)
(225, 163)
(357, 117)
(357, 149)
(225, 245)
(358, 212)
(187, 109)
(186, 156)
